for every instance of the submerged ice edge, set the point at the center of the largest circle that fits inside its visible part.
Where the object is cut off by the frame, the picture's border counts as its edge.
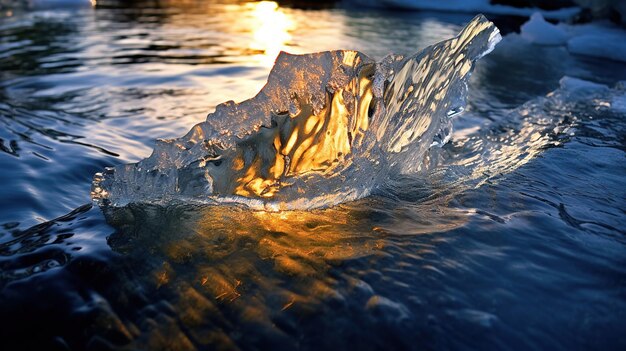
(327, 128)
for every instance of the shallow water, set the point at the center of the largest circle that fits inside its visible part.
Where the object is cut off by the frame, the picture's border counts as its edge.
(514, 241)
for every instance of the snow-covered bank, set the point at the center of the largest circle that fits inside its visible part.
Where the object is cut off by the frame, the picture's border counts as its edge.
(468, 6)
(600, 39)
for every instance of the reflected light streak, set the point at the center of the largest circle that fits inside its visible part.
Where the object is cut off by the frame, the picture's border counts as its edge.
(271, 27)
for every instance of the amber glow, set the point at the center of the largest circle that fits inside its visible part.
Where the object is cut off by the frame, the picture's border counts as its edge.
(306, 238)
(256, 264)
(226, 249)
(271, 27)
(309, 141)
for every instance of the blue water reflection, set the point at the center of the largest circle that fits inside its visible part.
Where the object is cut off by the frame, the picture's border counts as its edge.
(531, 257)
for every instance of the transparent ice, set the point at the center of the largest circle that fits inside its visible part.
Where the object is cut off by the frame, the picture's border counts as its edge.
(327, 128)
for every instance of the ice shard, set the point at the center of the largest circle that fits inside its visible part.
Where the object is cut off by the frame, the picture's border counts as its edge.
(326, 128)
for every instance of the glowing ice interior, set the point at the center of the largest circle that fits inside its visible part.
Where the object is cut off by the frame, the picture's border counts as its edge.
(325, 129)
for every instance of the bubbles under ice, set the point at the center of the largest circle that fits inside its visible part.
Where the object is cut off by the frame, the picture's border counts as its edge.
(327, 128)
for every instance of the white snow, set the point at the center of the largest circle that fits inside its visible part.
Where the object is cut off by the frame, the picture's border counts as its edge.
(540, 32)
(607, 45)
(598, 39)
(472, 6)
(580, 85)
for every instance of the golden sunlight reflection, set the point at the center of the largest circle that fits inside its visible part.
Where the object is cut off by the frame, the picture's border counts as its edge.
(271, 28)
(224, 252)
(224, 263)
(298, 242)
(222, 248)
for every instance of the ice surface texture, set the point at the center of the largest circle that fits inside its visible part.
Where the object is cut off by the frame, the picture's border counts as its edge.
(326, 128)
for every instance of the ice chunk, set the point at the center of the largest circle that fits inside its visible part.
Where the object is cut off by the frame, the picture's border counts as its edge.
(472, 6)
(580, 86)
(538, 31)
(326, 128)
(608, 45)
(598, 39)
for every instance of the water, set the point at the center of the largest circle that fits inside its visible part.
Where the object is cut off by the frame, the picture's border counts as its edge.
(514, 241)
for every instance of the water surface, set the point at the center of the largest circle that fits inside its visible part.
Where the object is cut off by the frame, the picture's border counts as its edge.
(514, 241)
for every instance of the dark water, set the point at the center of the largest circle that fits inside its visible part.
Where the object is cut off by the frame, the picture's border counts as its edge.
(516, 241)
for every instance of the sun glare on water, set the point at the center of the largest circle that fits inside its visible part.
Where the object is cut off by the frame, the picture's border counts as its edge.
(271, 27)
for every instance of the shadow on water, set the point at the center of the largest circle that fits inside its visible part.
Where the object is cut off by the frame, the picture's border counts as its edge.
(239, 278)
(186, 277)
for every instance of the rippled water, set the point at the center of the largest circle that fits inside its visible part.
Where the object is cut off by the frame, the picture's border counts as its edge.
(514, 241)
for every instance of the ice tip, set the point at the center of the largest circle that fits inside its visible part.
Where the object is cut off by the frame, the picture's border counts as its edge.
(479, 37)
(99, 189)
